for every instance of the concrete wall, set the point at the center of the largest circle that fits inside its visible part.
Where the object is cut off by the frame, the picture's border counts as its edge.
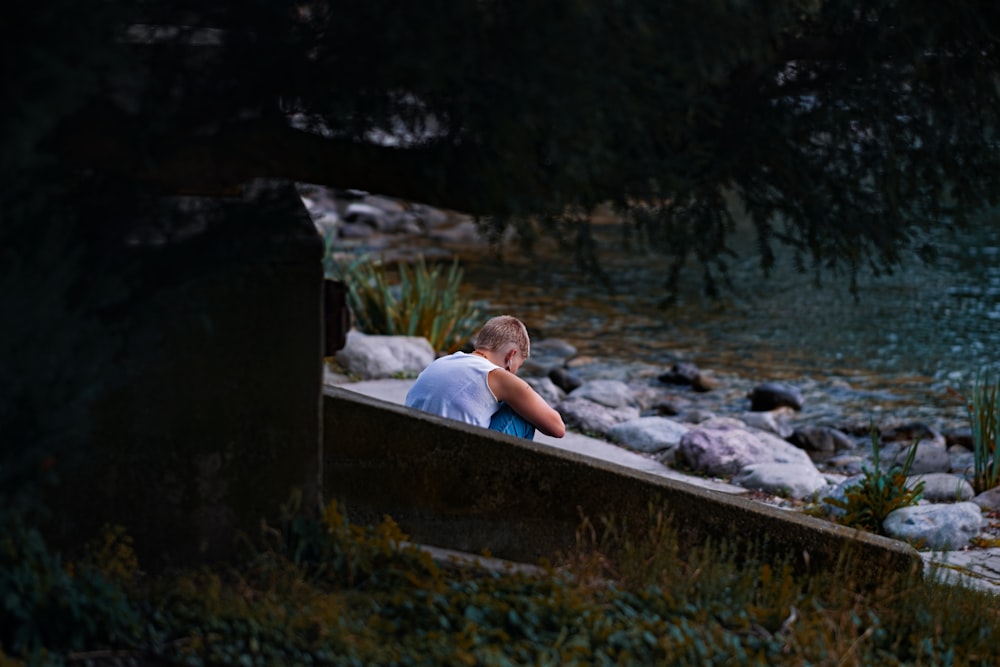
(456, 486)
(209, 419)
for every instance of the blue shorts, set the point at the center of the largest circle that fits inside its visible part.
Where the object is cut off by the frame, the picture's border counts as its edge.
(507, 421)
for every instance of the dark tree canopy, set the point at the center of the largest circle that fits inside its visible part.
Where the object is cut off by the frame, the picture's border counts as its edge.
(843, 127)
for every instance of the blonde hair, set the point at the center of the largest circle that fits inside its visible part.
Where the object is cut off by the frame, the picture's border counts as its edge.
(502, 330)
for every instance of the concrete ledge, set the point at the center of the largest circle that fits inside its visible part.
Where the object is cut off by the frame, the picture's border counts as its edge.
(460, 487)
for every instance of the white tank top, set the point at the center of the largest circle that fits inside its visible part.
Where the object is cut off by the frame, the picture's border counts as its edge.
(455, 386)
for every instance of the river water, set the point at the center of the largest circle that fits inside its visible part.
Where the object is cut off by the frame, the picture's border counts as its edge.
(896, 353)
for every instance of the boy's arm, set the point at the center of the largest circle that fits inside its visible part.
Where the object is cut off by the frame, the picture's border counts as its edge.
(526, 402)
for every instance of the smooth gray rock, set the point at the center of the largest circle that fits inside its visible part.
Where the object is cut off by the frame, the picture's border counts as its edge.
(847, 464)
(772, 421)
(368, 215)
(699, 416)
(989, 499)
(610, 393)
(789, 480)
(373, 357)
(935, 527)
(547, 389)
(428, 217)
(650, 398)
(381, 213)
(592, 417)
(942, 487)
(725, 449)
(931, 457)
(648, 434)
(912, 432)
(549, 356)
(719, 422)
(839, 492)
(553, 347)
(962, 462)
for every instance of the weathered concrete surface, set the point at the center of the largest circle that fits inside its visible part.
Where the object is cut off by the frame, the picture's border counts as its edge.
(460, 487)
(394, 391)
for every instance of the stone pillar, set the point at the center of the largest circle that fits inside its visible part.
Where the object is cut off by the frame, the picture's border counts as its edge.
(210, 418)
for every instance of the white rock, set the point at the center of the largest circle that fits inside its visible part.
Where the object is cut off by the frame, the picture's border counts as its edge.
(942, 487)
(790, 480)
(931, 456)
(935, 527)
(373, 357)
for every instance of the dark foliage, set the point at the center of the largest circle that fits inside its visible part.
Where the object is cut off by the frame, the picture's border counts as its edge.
(842, 129)
(334, 593)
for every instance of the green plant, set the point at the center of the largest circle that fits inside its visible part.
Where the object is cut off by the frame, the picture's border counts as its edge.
(984, 417)
(425, 301)
(323, 590)
(49, 607)
(879, 493)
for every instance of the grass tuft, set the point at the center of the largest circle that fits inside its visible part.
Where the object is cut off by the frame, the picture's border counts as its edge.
(878, 493)
(983, 408)
(419, 300)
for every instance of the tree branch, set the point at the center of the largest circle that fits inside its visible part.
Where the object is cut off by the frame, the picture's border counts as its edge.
(193, 160)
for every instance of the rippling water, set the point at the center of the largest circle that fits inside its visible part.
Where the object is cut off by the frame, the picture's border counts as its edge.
(892, 355)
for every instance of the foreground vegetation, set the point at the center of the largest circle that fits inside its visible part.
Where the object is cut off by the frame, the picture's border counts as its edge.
(327, 592)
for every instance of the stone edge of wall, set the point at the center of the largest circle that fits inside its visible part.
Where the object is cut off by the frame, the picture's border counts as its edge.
(460, 487)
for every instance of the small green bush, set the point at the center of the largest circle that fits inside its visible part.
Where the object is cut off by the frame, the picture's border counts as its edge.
(49, 607)
(878, 494)
(424, 301)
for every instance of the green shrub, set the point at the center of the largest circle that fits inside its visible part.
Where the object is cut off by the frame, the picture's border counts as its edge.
(423, 301)
(984, 415)
(49, 607)
(879, 493)
(324, 591)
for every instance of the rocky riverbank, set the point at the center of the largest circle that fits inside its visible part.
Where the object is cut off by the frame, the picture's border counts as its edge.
(700, 423)
(766, 449)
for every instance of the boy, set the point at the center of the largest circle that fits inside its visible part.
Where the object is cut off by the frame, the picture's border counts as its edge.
(482, 388)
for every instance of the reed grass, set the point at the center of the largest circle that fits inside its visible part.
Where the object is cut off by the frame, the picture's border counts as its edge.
(410, 300)
(984, 416)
